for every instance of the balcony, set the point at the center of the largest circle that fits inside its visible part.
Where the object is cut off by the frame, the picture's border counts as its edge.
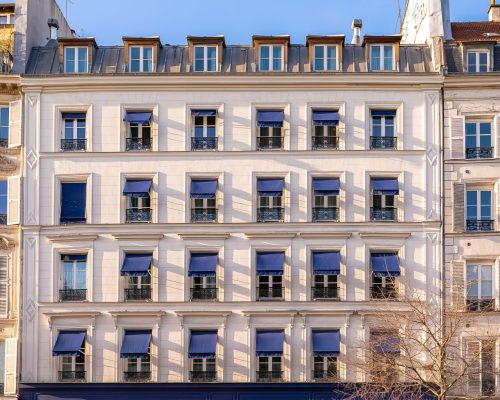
(138, 144)
(481, 225)
(208, 214)
(202, 376)
(383, 293)
(204, 294)
(4, 143)
(204, 143)
(3, 219)
(142, 376)
(320, 375)
(480, 305)
(73, 295)
(478, 152)
(270, 214)
(73, 144)
(269, 376)
(384, 214)
(325, 293)
(138, 294)
(325, 214)
(266, 293)
(270, 143)
(138, 215)
(325, 143)
(383, 143)
(71, 376)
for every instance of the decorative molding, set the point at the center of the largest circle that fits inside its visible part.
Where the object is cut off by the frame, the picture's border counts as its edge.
(72, 238)
(7, 164)
(204, 236)
(270, 313)
(326, 235)
(433, 237)
(138, 236)
(271, 235)
(90, 314)
(33, 100)
(30, 309)
(7, 244)
(385, 235)
(432, 155)
(137, 313)
(31, 159)
(184, 314)
(30, 241)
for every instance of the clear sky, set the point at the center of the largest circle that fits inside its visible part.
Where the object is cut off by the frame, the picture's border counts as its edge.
(238, 20)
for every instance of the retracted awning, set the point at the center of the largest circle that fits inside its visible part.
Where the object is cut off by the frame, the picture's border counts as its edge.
(138, 117)
(202, 264)
(202, 344)
(388, 186)
(326, 343)
(385, 264)
(269, 343)
(135, 344)
(136, 264)
(326, 262)
(325, 118)
(326, 186)
(68, 343)
(270, 187)
(270, 118)
(270, 263)
(203, 188)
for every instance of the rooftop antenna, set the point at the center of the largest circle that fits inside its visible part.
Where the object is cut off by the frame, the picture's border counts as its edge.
(71, 2)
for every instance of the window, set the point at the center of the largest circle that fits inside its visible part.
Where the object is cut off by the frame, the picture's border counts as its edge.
(482, 369)
(73, 202)
(269, 351)
(203, 200)
(326, 192)
(325, 349)
(203, 273)
(205, 58)
(73, 367)
(6, 19)
(204, 135)
(3, 202)
(74, 132)
(325, 58)
(325, 124)
(383, 129)
(477, 61)
(141, 59)
(384, 192)
(202, 355)
(479, 210)
(269, 270)
(480, 288)
(385, 270)
(136, 353)
(270, 129)
(136, 270)
(70, 347)
(270, 200)
(478, 140)
(74, 285)
(138, 130)
(271, 58)
(382, 57)
(76, 60)
(4, 126)
(325, 268)
(138, 198)
(385, 348)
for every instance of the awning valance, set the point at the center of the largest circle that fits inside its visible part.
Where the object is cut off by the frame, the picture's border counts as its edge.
(202, 344)
(326, 343)
(68, 343)
(136, 264)
(325, 117)
(326, 262)
(203, 188)
(204, 113)
(270, 187)
(137, 188)
(383, 113)
(74, 115)
(73, 257)
(385, 264)
(135, 344)
(269, 343)
(388, 186)
(202, 264)
(73, 201)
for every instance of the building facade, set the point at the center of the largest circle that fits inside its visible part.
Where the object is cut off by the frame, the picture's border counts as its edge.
(220, 221)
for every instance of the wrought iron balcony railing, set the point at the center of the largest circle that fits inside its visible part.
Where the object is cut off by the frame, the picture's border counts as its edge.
(138, 215)
(383, 143)
(325, 143)
(384, 214)
(204, 143)
(325, 214)
(203, 294)
(270, 293)
(269, 376)
(134, 376)
(324, 375)
(480, 304)
(4, 142)
(325, 293)
(480, 225)
(202, 376)
(3, 219)
(71, 376)
(270, 214)
(208, 214)
(478, 152)
(73, 295)
(270, 143)
(137, 294)
(383, 293)
(138, 144)
(73, 144)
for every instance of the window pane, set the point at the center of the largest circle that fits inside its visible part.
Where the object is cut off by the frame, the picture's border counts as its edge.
(211, 64)
(70, 53)
(331, 58)
(199, 53)
(147, 53)
(211, 131)
(319, 64)
(486, 281)
(80, 130)
(485, 141)
(471, 198)
(319, 58)
(377, 126)
(135, 66)
(277, 58)
(471, 62)
(147, 66)
(264, 52)
(3, 197)
(198, 131)
(135, 53)
(80, 276)
(388, 63)
(82, 60)
(264, 64)
(68, 275)
(470, 128)
(485, 128)
(483, 62)
(70, 66)
(198, 65)
(211, 52)
(375, 61)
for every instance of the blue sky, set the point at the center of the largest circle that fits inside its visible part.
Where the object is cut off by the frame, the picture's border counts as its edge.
(173, 20)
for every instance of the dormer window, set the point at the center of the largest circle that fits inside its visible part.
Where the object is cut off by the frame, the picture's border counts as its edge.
(325, 58)
(141, 59)
(477, 61)
(6, 19)
(271, 58)
(382, 57)
(76, 60)
(205, 58)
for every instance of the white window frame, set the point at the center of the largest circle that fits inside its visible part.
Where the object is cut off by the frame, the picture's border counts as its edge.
(383, 125)
(10, 18)
(382, 58)
(478, 53)
(478, 131)
(325, 57)
(205, 125)
(74, 128)
(205, 58)
(479, 205)
(271, 58)
(76, 48)
(141, 58)
(74, 273)
(479, 281)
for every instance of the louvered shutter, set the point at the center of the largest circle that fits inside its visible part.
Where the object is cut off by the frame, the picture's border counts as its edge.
(473, 358)
(457, 137)
(4, 285)
(10, 380)
(458, 284)
(458, 207)
(14, 200)
(15, 115)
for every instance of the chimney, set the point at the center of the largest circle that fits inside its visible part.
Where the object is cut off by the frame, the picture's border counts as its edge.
(54, 27)
(494, 12)
(357, 24)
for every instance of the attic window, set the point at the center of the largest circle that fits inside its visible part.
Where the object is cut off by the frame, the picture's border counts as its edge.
(382, 57)
(6, 19)
(141, 59)
(478, 61)
(205, 58)
(271, 58)
(76, 60)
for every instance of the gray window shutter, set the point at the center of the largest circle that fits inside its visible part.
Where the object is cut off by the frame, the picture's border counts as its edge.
(473, 358)
(497, 130)
(15, 115)
(458, 284)
(14, 200)
(457, 137)
(459, 207)
(10, 379)
(4, 285)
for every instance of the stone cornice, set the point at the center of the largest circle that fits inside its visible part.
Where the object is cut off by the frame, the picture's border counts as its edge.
(204, 236)
(385, 235)
(271, 235)
(72, 238)
(139, 236)
(470, 81)
(185, 314)
(326, 235)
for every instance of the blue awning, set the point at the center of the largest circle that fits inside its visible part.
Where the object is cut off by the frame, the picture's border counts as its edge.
(73, 201)
(386, 264)
(270, 118)
(137, 188)
(203, 188)
(202, 344)
(385, 186)
(68, 343)
(386, 343)
(326, 186)
(135, 344)
(204, 113)
(136, 264)
(383, 113)
(138, 117)
(74, 115)
(270, 263)
(270, 187)
(202, 264)
(269, 343)
(326, 262)
(326, 343)
(73, 257)
(325, 118)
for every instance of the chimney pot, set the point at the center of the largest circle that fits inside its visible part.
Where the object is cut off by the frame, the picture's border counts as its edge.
(356, 26)
(54, 27)
(494, 12)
